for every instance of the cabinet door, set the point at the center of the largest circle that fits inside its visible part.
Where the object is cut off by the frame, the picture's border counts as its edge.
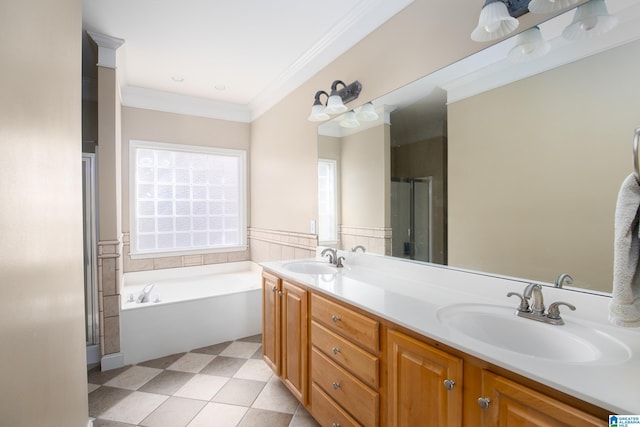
(294, 339)
(514, 405)
(425, 384)
(271, 321)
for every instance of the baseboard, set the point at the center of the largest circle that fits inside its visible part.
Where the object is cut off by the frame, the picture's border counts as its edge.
(93, 354)
(112, 361)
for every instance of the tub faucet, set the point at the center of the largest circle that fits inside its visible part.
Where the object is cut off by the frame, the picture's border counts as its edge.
(144, 295)
(333, 256)
(562, 279)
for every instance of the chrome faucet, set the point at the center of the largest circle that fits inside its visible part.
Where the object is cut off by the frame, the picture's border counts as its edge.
(333, 256)
(535, 311)
(355, 249)
(537, 306)
(562, 279)
(144, 295)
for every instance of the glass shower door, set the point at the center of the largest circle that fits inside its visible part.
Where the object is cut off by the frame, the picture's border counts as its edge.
(411, 218)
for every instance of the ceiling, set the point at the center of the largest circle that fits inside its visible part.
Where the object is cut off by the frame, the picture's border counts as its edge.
(241, 55)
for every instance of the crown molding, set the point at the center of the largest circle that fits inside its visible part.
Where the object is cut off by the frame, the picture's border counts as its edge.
(107, 47)
(150, 99)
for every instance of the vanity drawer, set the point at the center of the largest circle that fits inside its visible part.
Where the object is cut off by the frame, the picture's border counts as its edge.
(357, 361)
(327, 412)
(345, 389)
(354, 326)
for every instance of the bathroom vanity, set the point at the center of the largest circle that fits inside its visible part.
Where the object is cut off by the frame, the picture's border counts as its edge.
(386, 342)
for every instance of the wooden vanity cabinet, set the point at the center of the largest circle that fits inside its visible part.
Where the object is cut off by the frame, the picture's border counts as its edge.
(511, 404)
(285, 332)
(425, 384)
(350, 368)
(345, 365)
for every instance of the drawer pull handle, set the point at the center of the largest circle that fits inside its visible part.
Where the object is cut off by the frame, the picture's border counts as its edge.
(335, 425)
(484, 402)
(336, 386)
(335, 350)
(449, 384)
(335, 318)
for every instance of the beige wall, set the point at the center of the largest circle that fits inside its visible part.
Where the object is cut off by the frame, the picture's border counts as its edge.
(550, 177)
(420, 39)
(364, 184)
(43, 369)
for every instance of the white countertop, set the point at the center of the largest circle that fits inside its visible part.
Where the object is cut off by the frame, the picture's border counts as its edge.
(412, 294)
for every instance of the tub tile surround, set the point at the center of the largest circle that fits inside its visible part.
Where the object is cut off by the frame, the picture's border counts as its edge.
(411, 295)
(109, 278)
(196, 389)
(146, 264)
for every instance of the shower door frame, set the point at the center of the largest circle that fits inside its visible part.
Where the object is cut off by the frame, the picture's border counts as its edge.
(412, 220)
(92, 311)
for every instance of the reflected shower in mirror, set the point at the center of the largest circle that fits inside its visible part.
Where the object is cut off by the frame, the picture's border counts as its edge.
(524, 159)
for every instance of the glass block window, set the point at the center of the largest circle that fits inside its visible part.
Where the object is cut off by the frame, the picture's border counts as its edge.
(327, 201)
(186, 198)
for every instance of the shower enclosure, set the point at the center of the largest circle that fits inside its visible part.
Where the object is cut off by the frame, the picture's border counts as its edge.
(90, 260)
(411, 218)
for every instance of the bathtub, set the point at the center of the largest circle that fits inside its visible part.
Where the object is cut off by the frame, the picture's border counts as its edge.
(189, 308)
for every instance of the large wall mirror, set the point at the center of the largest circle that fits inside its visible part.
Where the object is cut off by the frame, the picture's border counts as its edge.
(504, 167)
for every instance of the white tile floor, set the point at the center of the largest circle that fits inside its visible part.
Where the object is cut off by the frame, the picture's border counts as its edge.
(225, 384)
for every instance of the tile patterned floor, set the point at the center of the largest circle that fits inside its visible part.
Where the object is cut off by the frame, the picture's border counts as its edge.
(222, 385)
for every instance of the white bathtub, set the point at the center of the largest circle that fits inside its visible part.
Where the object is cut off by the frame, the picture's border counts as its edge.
(188, 308)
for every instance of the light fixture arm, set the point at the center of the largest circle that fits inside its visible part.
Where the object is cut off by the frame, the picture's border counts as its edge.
(317, 97)
(348, 92)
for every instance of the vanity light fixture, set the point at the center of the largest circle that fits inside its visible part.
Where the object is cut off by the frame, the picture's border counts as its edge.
(317, 110)
(495, 21)
(336, 100)
(550, 6)
(591, 19)
(529, 45)
(498, 18)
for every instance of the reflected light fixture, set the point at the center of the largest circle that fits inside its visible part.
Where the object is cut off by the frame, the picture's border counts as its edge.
(349, 120)
(529, 45)
(336, 100)
(495, 22)
(367, 113)
(550, 6)
(591, 19)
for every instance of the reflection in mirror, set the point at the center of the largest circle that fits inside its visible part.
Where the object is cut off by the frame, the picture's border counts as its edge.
(515, 166)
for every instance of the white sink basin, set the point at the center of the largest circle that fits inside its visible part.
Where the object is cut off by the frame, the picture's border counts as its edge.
(499, 327)
(310, 267)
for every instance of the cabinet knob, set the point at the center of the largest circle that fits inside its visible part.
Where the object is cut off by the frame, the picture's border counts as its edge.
(484, 402)
(335, 350)
(335, 317)
(449, 384)
(275, 288)
(281, 293)
(335, 425)
(336, 386)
